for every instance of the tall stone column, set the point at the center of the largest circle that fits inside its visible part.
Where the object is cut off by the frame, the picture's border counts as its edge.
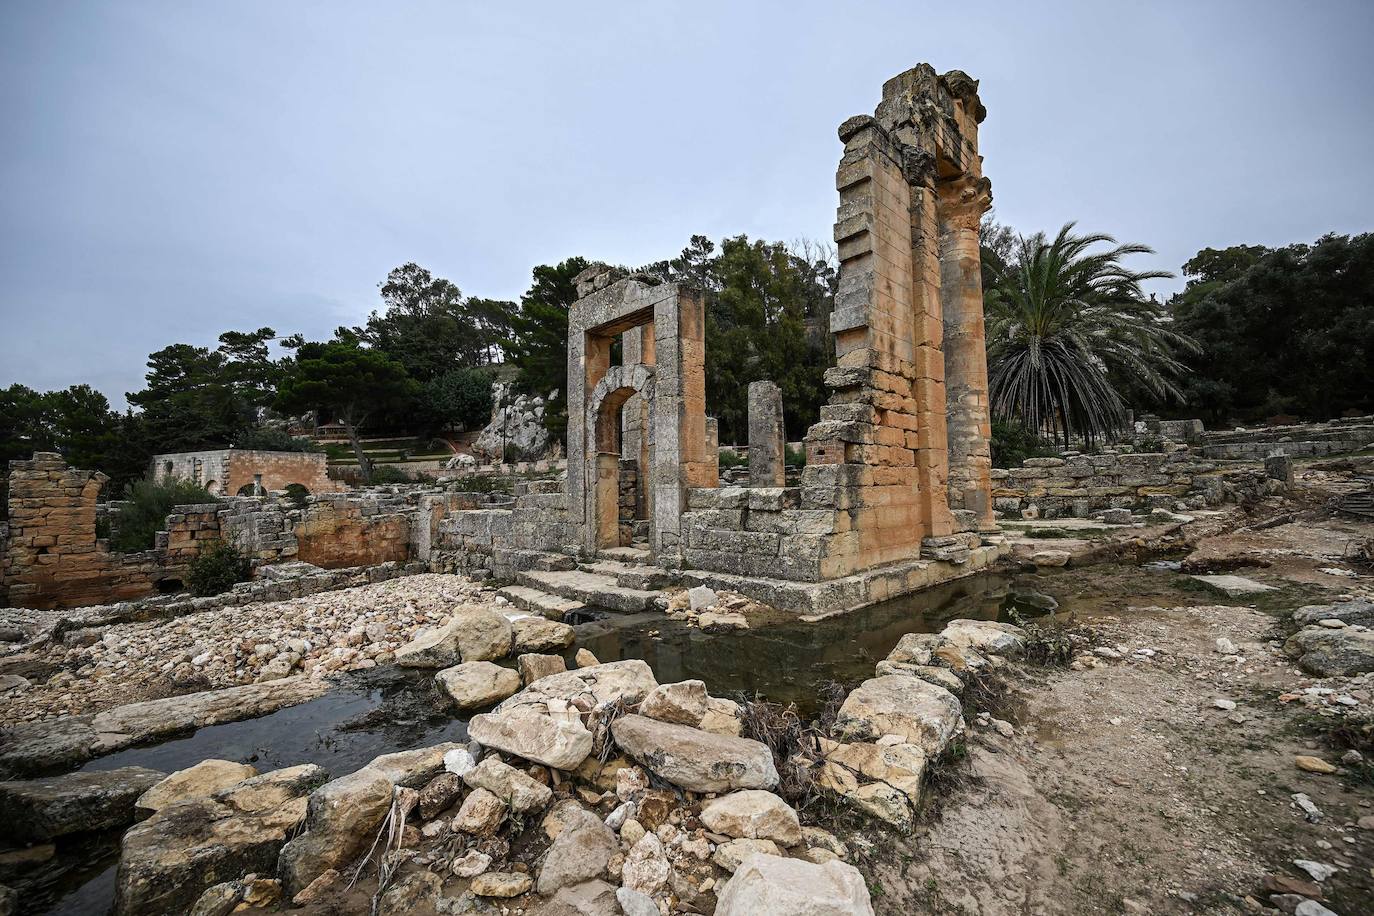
(961, 205)
(767, 437)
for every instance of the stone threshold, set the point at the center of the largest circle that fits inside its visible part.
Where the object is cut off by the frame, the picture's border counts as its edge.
(812, 601)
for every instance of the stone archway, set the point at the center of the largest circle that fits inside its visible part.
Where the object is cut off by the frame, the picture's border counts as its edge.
(620, 384)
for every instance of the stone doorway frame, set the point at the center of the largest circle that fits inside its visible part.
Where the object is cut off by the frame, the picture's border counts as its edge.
(672, 319)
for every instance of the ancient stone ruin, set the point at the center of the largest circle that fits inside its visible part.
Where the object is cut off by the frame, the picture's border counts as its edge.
(247, 472)
(896, 493)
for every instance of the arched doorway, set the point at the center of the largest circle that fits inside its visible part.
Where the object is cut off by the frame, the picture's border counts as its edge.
(613, 528)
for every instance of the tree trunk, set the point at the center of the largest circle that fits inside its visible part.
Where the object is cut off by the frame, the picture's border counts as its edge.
(364, 463)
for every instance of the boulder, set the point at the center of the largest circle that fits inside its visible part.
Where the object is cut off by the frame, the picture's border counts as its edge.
(482, 633)
(925, 714)
(770, 886)
(722, 717)
(414, 769)
(539, 634)
(440, 794)
(633, 903)
(1357, 610)
(693, 759)
(481, 814)
(341, 821)
(1043, 559)
(753, 814)
(900, 767)
(1332, 653)
(646, 867)
(472, 685)
(581, 852)
(987, 636)
(533, 666)
(432, 648)
(470, 864)
(170, 859)
(683, 703)
(502, 884)
(205, 778)
(585, 659)
(931, 674)
(590, 898)
(417, 891)
(729, 855)
(630, 680)
(915, 649)
(561, 743)
(37, 810)
(513, 787)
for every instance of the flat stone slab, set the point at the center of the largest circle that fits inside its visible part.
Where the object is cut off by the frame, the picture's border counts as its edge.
(538, 601)
(589, 588)
(1234, 586)
(38, 810)
(693, 759)
(72, 740)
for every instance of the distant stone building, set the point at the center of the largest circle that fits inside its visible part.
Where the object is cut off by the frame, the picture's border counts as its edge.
(247, 472)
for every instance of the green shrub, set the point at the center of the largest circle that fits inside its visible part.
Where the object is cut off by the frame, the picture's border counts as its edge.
(269, 439)
(149, 504)
(297, 493)
(795, 457)
(732, 459)
(483, 483)
(385, 473)
(1013, 443)
(216, 570)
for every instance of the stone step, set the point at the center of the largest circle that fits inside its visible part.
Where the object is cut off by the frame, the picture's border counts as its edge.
(516, 559)
(538, 601)
(633, 555)
(632, 575)
(590, 588)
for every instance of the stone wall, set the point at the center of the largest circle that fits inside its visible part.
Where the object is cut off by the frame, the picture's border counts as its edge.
(500, 538)
(1078, 485)
(1306, 440)
(229, 471)
(52, 557)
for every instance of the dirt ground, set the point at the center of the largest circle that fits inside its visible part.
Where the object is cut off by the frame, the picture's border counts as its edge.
(1126, 788)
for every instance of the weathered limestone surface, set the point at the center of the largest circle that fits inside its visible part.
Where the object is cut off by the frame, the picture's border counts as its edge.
(39, 810)
(767, 437)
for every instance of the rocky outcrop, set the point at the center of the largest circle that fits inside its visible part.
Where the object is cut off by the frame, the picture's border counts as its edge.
(696, 760)
(170, 859)
(769, 886)
(538, 634)
(39, 810)
(516, 431)
(1354, 611)
(472, 634)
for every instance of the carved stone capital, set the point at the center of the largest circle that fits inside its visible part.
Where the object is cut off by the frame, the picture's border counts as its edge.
(964, 200)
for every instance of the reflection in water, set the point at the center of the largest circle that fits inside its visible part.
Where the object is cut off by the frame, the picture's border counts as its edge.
(786, 663)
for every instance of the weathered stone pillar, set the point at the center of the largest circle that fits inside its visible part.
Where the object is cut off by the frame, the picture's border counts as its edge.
(962, 203)
(767, 437)
(713, 449)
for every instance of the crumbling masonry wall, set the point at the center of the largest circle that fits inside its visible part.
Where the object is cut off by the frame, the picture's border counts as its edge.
(228, 471)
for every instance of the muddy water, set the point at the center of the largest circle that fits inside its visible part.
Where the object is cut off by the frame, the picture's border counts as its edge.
(395, 709)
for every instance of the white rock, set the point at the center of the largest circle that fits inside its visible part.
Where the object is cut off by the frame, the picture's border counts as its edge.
(702, 597)
(766, 885)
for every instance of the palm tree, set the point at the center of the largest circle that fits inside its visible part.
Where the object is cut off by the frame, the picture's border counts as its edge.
(1070, 333)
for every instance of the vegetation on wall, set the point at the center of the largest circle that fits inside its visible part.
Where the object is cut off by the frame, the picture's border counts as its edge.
(149, 504)
(217, 569)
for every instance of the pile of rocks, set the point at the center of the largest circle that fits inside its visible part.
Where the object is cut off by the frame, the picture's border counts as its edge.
(715, 611)
(1335, 640)
(94, 668)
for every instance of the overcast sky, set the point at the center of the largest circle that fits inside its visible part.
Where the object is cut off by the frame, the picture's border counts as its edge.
(172, 170)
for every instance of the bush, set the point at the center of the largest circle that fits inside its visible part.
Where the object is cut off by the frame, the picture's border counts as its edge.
(216, 570)
(269, 439)
(795, 457)
(731, 459)
(297, 493)
(386, 474)
(1013, 443)
(149, 504)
